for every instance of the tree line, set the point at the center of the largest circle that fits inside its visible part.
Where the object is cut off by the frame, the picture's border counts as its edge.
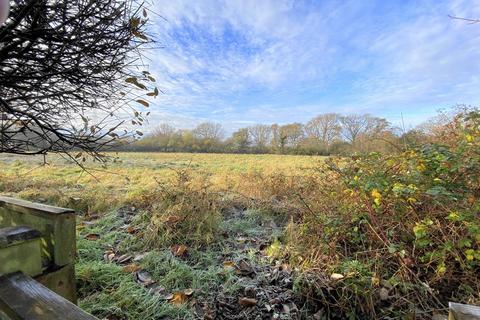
(325, 134)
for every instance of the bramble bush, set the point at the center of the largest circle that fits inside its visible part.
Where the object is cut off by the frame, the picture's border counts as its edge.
(183, 210)
(402, 230)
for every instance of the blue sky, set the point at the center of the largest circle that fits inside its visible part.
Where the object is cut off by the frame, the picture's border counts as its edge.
(264, 61)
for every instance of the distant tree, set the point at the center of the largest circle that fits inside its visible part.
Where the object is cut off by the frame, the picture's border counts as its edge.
(164, 129)
(163, 135)
(209, 130)
(361, 124)
(353, 125)
(240, 140)
(291, 135)
(275, 142)
(70, 75)
(260, 134)
(209, 136)
(188, 141)
(324, 127)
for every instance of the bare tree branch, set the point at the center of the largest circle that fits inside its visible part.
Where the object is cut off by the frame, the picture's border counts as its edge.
(71, 76)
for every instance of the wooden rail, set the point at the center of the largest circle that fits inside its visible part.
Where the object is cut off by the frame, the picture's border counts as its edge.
(21, 297)
(37, 241)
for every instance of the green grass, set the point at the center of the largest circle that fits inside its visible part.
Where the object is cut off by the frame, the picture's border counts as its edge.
(216, 183)
(104, 289)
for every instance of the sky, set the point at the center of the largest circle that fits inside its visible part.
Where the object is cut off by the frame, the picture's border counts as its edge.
(242, 62)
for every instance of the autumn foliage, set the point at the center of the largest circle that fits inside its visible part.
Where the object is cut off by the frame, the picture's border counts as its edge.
(403, 229)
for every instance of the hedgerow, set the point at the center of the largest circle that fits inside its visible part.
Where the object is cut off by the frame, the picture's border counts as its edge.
(399, 233)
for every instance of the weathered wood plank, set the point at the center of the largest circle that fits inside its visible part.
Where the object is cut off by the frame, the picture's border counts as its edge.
(57, 226)
(20, 250)
(21, 297)
(10, 235)
(60, 281)
(39, 208)
(459, 311)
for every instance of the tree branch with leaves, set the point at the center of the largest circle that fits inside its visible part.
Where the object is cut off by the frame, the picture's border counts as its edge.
(72, 76)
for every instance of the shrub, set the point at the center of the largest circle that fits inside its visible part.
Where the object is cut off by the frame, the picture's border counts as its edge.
(403, 230)
(182, 211)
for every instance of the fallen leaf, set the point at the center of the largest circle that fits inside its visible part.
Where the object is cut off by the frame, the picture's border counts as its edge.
(188, 292)
(247, 302)
(286, 267)
(319, 314)
(143, 277)
(241, 239)
(228, 264)
(92, 236)
(384, 294)
(124, 258)
(109, 256)
(131, 230)
(243, 268)
(140, 256)
(156, 289)
(132, 267)
(173, 219)
(336, 276)
(178, 298)
(178, 250)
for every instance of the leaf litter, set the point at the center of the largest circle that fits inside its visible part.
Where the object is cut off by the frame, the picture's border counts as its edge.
(265, 286)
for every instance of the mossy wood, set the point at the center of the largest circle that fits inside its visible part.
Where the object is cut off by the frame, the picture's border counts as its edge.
(61, 281)
(57, 226)
(20, 250)
(39, 240)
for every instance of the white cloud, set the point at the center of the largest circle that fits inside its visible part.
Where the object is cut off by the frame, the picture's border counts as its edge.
(382, 58)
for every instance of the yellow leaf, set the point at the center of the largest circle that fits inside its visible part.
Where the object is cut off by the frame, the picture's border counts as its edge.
(421, 167)
(130, 268)
(377, 197)
(441, 269)
(228, 264)
(178, 298)
(469, 254)
(178, 250)
(376, 193)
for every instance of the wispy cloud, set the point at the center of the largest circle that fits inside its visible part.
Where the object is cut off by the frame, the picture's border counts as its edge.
(251, 61)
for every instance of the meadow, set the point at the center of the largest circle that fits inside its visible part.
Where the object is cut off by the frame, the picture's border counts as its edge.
(217, 236)
(202, 222)
(101, 188)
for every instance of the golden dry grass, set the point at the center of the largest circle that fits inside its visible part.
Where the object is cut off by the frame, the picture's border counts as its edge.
(131, 175)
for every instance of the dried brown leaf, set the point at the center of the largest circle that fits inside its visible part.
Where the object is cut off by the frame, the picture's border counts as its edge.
(92, 236)
(178, 250)
(247, 302)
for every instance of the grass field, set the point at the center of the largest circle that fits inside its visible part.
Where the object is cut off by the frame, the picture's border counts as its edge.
(215, 236)
(230, 237)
